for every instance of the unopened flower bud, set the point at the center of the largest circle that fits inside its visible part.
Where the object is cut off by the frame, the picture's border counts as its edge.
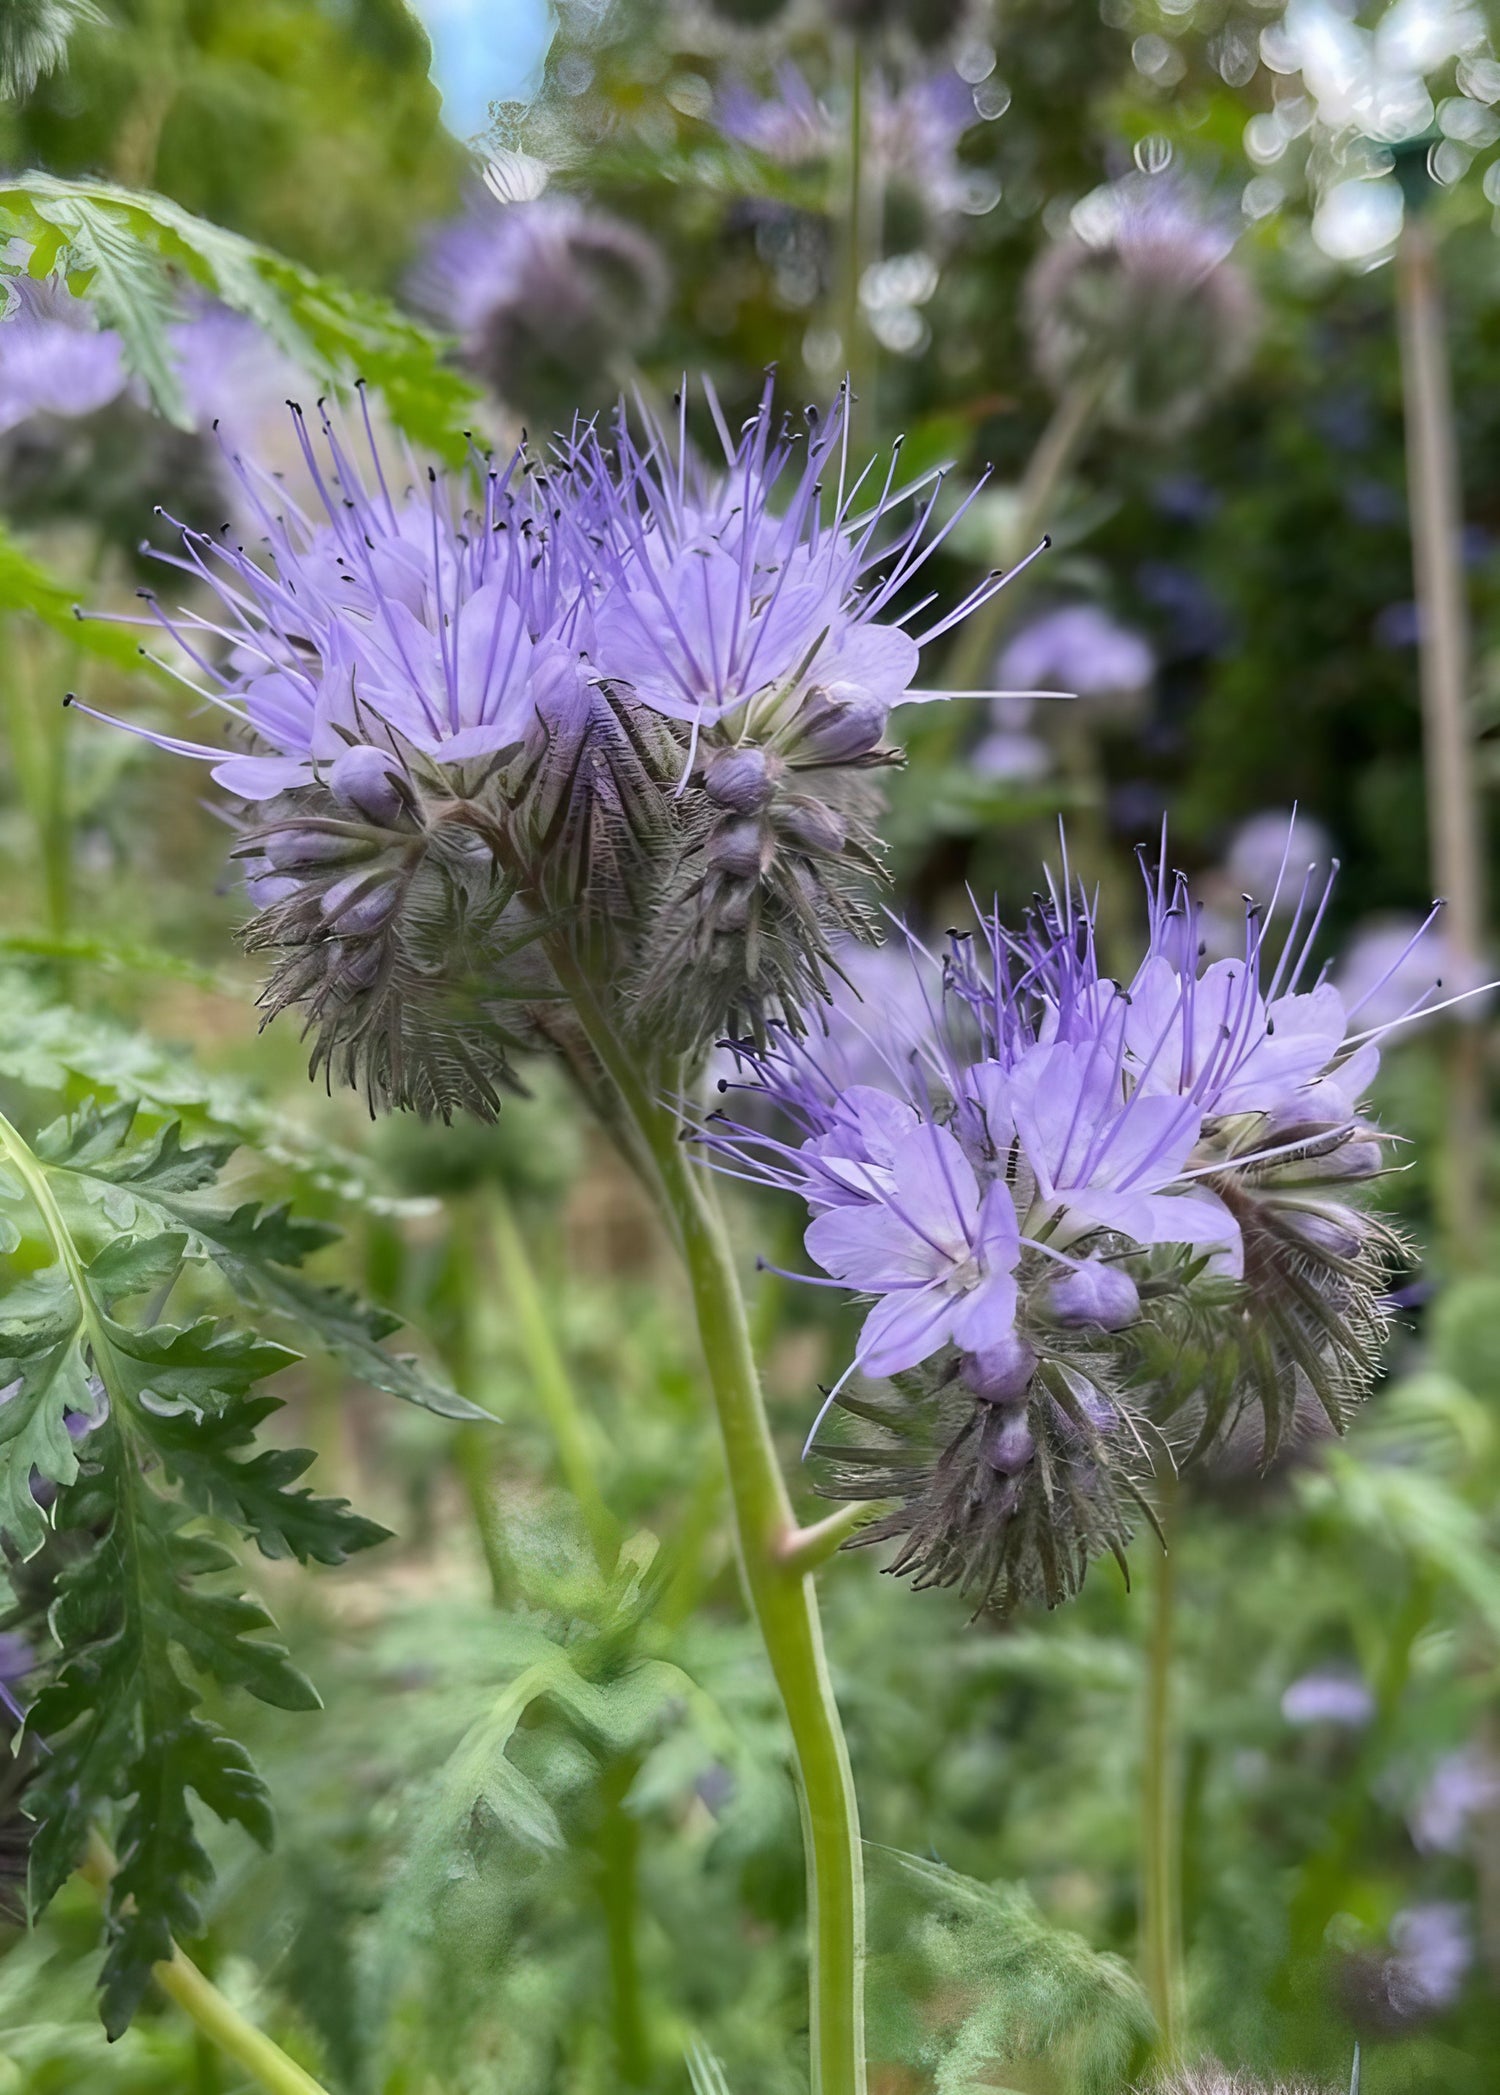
(835, 732)
(357, 906)
(1095, 1293)
(1002, 1373)
(812, 826)
(294, 846)
(1334, 1231)
(739, 847)
(363, 779)
(1009, 1445)
(739, 779)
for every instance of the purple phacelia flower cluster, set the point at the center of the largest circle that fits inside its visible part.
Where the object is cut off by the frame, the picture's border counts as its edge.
(1096, 1224)
(549, 298)
(611, 713)
(913, 130)
(1142, 306)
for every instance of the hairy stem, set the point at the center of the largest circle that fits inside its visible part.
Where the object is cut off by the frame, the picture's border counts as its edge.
(1161, 1919)
(205, 2006)
(1453, 813)
(786, 1611)
(782, 1597)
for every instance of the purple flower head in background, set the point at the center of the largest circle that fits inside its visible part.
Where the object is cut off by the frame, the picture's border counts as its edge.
(913, 129)
(1142, 301)
(1401, 971)
(790, 126)
(549, 298)
(54, 357)
(1079, 648)
(1010, 751)
(1463, 1787)
(1421, 1971)
(1262, 847)
(1341, 1699)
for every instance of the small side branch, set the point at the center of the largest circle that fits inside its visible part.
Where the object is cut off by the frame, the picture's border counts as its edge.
(802, 1550)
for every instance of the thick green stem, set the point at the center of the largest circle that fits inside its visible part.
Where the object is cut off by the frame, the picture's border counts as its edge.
(1453, 812)
(782, 1597)
(1161, 1920)
(619, 1863)
(202, 2002)
(786, 1610)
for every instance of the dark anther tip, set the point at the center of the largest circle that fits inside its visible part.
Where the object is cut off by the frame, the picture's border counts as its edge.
(69, 697)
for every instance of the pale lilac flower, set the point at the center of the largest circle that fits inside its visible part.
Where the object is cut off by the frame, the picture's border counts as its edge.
(54, 357)
(1400, 972)
(790, 126)
(1010, 750)
(1432, 1950)
(1107, 1157)
(738, 599)
(913, 129)
(1263, 847)
(1079, 648)
(1198, 1132)
(939, 1255)
(1329, 1697)
(392, 620)
(1464, 1786)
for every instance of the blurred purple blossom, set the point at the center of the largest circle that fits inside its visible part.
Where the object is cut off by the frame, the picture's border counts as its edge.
(1078, 648)
(1142, 300)
(1328, 1696)
(912, 129)
(1269, 853)
(1432, 1948)
(1462, 1787)
(546, 295)
(54, 358)
(1009, 750)
(1398, 968)
(1397, 626)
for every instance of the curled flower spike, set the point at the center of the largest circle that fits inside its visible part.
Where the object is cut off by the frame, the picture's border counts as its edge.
(1085, 1216)
(610, 716)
